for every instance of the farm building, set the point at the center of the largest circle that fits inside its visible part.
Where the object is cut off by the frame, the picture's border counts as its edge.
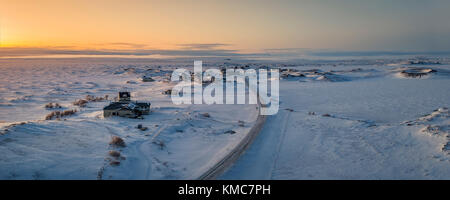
(124, 107)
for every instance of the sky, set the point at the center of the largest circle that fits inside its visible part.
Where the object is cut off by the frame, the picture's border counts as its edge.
(231, 27)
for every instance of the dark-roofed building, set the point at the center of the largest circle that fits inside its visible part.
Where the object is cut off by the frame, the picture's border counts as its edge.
(124, 107)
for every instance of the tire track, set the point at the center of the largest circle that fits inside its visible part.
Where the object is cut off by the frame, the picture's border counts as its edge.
(280, 143)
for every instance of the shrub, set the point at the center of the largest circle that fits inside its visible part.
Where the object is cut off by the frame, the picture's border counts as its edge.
(113, 153)
(58, 114)
(51, 105)
(68, 112)
(114, 163)
(49, 116)
(80, 102)
(93, 98)
(89, 98)
(167, 92)
(117, 141)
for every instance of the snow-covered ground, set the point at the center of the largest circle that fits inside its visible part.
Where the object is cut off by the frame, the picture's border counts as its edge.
(356, 118)
(364, 122)
(180, 142)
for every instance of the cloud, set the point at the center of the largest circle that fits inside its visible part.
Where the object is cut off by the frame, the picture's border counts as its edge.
(299, 52)
(37, 51)
(125, 45)
(374, 53)
(44, 51)
(197, 50)
(287, 51)
(202, 45)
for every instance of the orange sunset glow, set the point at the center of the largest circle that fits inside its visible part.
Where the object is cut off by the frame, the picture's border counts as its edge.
(237, 26)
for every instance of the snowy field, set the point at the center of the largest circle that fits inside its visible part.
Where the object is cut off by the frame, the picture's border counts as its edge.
(356, 122)
(180, 142)
(338, 119)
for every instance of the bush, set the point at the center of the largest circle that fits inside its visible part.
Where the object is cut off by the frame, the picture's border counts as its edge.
(113, 153)
(80, 102)
(93, 98)
(59, 114)
(89, 98)
(167, 92)
(117, 141)
(114, 163)
(68, 112)
(51, 105)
